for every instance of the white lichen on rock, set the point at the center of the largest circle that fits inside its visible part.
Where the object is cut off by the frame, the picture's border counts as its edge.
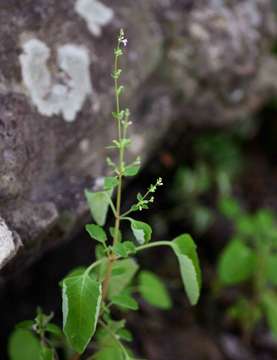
(8, 247)
(95, 14)
(66, 91)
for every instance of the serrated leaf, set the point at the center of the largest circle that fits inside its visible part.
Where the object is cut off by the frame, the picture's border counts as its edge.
(119, 282)
(153, 290)
(96, 232)
(81, 305)
(270, 306)
(185, 250)
(236, 264)
(141, 231)
(23, 345)
(125, 301)
(99, 204)
(110, 182)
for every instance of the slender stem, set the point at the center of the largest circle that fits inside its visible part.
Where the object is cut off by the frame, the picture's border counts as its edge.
(95, 264)
(154, 244)
(112, 257)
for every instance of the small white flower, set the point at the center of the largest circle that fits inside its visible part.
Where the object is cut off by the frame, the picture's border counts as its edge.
(125, 42)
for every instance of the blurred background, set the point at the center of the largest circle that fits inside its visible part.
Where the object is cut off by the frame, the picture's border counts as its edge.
(201, 85)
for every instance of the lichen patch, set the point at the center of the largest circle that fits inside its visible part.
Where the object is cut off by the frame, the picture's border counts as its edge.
(63, 92)
(95, 13)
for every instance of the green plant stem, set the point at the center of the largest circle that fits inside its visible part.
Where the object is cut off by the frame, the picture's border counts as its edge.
(95, 264)
(112, 258)
(153, 244)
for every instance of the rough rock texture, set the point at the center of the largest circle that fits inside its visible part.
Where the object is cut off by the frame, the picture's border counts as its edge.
(204, 62)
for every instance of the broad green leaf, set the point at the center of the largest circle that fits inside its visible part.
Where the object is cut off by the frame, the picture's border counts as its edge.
(125, 301)
(270, 306)
(153, 290)
(272, 269)
(119, 282)
(141, 231)
(236, 264)
(110, 182)
(185, 250)
(23, 345)
(81, 305)
(99, 204)
(96, 232)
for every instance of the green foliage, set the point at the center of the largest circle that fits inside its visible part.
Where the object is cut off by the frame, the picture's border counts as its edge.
(23, 345)
(34, 340)
(81, 307)
(90, 294)
(250, 257)
(217, 163)
(237, 263)
(185, 250)
(153, 290)
(141, 231)
(99, 205)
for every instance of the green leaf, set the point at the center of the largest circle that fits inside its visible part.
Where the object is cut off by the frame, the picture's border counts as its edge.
(270, 306)
(230, 208)
(97, 233)
(272, 269)
(23, 345)
(27, 325)
(124, 249)
(141, 231)
(99, 204)
(81, 305)
(46, 353)
(236, 264)
(153, 290)
(110, 182)
(125, 301)
(119, 249)
(125, 334)
(119, 282)
(54, 329)
(131, 170)
(119, 234)
(185, 250)
(110, 350)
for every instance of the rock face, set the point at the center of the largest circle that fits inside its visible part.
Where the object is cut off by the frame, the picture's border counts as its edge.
(204, 62)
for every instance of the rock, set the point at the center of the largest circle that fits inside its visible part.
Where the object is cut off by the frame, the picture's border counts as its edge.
(204, 62)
